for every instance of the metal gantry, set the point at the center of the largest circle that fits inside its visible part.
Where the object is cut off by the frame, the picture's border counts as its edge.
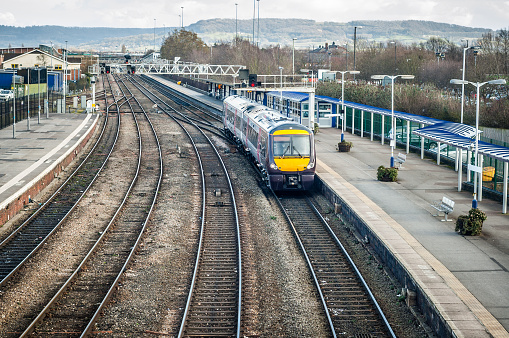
(180, 68)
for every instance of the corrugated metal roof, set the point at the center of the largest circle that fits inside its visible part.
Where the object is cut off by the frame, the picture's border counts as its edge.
(462, 136)
(300, 97)
(456, 134)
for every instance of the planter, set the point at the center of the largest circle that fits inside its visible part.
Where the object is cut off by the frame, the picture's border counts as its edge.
(344, 146)
(387, 174)
(471, 224)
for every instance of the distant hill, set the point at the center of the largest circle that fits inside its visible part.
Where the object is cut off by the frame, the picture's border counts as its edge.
(272, 31)
(309, 32)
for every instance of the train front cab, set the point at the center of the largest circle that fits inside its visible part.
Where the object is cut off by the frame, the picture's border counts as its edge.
(292, 160)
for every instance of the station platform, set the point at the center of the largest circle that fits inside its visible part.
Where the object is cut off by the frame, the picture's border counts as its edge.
(31, 160)
(206, 99)
(466, 278)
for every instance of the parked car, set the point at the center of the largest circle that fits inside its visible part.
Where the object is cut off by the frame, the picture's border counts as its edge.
(6, 95)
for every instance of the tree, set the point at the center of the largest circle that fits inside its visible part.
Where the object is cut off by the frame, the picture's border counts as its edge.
(184, 44)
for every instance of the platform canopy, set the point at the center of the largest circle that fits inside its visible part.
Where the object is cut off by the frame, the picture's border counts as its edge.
(462, 136)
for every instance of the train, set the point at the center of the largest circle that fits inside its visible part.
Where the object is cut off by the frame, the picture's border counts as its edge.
(283, 149)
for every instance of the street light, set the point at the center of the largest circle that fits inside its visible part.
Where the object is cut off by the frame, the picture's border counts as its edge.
(236, 27)
(477, 85)
(354, 44)
(463, 78)
(395, 57)
(393, 127)
(293, 56)
(258, 23)
(182, 8)
(343, 118)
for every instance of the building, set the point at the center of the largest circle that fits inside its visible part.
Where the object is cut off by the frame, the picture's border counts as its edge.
(36, 58)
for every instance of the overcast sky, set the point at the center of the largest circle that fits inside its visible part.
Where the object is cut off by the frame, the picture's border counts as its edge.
(492, 14)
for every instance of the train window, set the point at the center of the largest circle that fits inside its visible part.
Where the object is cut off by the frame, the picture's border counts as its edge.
(263, 146)
(292, 145)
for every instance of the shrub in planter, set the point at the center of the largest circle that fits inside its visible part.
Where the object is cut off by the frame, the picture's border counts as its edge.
(387, 174)
(471, 224)
(344, 146)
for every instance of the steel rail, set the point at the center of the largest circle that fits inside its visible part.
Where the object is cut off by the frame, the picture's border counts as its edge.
(354, 267)
(203, 219)
(74, 275)
(46, 204)
(325, 298)
(103, 304)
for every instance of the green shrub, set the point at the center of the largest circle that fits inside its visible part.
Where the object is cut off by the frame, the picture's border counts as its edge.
(471, 224)
(387, 174)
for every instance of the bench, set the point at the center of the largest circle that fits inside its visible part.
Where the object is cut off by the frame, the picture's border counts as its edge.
(401, 158)
(446, 206)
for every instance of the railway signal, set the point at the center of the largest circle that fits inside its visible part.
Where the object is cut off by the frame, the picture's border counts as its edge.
(253, 80)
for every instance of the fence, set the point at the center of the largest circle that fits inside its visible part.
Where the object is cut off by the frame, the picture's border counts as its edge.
(6, 108)
(493, 182)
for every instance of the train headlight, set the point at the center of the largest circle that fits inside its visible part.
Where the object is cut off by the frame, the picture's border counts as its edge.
(311, 165)
(273, 166)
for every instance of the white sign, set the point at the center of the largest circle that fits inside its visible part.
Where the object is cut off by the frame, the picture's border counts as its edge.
(475, 168)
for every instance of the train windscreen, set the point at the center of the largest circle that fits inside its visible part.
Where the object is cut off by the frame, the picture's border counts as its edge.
(291, 145)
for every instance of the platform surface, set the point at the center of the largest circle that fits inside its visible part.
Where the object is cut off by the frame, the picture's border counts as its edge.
(467, 277)
(33, 151)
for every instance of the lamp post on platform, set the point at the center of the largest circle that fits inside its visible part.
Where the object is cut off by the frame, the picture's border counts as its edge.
(476, 167)
(393, 127)
(343, 114)
(236, 27)
(293, 56)
(354, 44)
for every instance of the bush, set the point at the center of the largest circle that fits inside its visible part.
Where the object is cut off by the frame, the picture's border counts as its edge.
(471, 224)
(387, 174)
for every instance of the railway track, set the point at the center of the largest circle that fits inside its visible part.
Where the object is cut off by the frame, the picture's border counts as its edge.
(213, 306)
(350, 306)
(76, 306)
(22, 244)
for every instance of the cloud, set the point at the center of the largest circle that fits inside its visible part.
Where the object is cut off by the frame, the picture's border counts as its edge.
(7, 19)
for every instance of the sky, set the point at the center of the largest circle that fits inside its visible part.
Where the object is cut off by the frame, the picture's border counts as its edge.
(492, 14)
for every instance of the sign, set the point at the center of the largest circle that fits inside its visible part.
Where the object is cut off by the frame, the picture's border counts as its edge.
(475, 168)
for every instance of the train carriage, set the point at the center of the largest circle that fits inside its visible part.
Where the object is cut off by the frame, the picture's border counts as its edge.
(283, 149)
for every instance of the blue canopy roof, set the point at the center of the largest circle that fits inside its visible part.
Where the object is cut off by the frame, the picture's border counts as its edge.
(456, 134)
(300, 97)
(462, 136)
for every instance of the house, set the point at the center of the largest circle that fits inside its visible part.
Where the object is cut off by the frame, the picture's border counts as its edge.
(41, 59)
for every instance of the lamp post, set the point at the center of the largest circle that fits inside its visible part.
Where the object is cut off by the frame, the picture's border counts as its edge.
(236, 27)
(476, 168)
(354, 44)
(459, 152)
(182, 8)
(254, 16)
(28, 101)
(395, 57)
(343, 117)
(293, 56)
(393, 127)
(65, 72)
(14, 104)
(258, 22)
(39, 94)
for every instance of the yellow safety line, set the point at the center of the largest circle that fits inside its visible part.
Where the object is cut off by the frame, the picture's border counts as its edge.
(484, 316)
